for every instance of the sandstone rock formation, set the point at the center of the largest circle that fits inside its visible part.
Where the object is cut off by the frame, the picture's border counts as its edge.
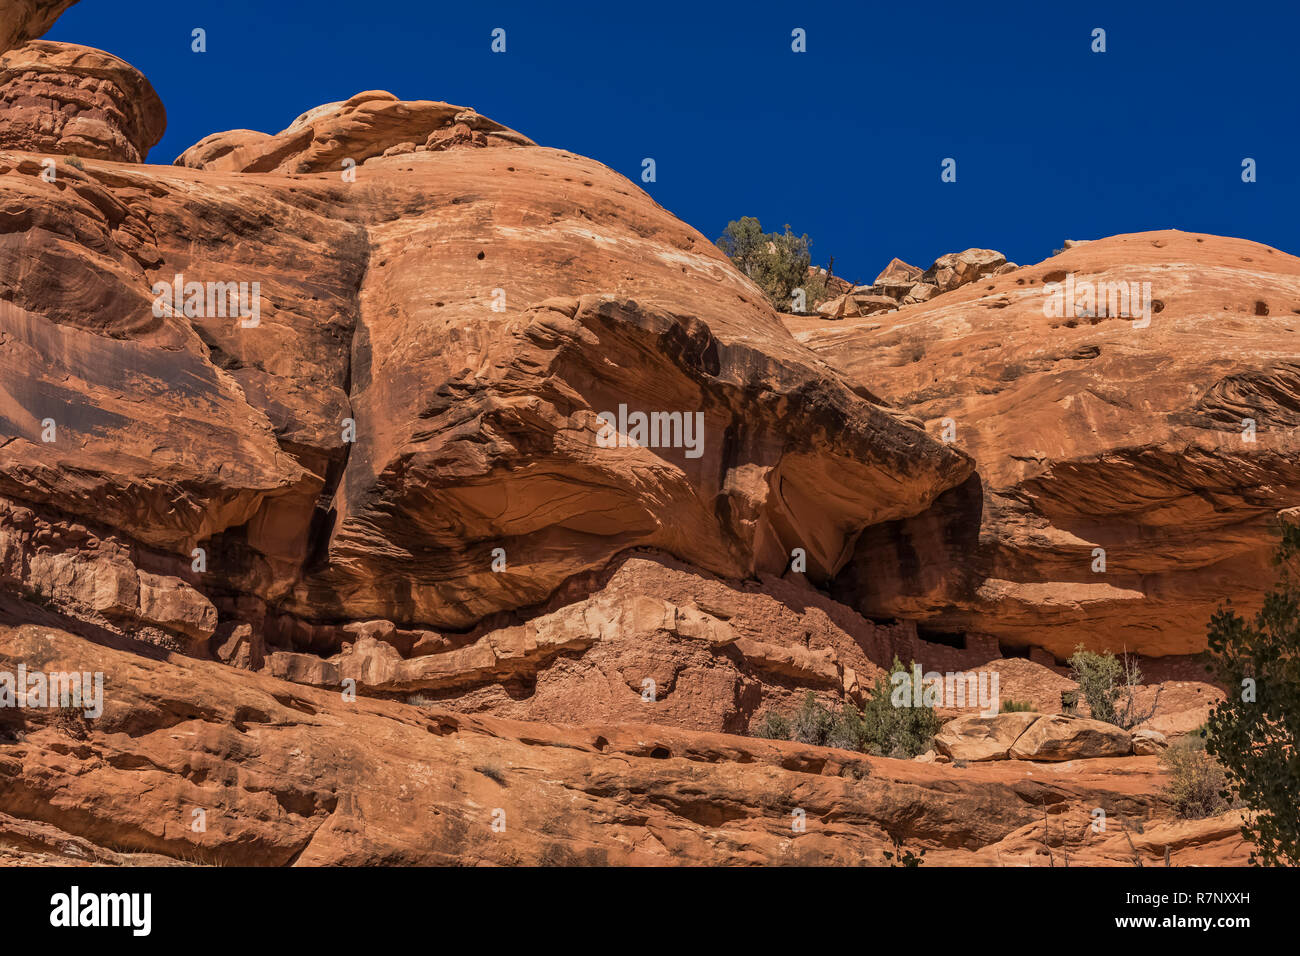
(476, 429)
(25, 20)
(983, 738)
(901, 284)
(1070, 738)
(69, 100)
(399, 420)
(369, 125)
(286, 774)
(1090, 431)
(395, 441)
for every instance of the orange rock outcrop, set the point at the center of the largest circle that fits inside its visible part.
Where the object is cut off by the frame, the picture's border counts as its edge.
(426, 495)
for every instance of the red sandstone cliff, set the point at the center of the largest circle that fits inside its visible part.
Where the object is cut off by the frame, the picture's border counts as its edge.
(385, 470)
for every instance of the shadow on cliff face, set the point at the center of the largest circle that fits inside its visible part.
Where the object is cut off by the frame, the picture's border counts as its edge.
(913, 565)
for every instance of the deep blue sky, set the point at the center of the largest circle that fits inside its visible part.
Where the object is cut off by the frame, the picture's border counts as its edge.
(843, 142)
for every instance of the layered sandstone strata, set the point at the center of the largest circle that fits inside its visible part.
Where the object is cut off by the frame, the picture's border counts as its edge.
(1130, 467)
(69, 100)
(290, 775)
(395, 440)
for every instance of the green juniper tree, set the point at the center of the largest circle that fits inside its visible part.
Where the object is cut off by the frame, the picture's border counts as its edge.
(776, 262)
(892, 731)
(1252, 733)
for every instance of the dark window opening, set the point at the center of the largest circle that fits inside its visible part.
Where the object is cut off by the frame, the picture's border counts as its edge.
(955, 639)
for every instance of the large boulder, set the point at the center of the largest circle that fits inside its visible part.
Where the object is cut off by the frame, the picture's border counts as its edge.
(896, 280)
(1149, 742)
(958, 268)
(1057, 738)
(69, 100)
(898, 271)
(983, 738)
(856, 304)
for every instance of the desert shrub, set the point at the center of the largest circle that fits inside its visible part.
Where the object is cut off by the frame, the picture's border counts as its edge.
(71, 721)
(891, 731)
(812, 722)
(75, 162)
(772, 726)
(847, 730)
(1098, 679)
(1016, 706)
(776, 262)
(901, 856)
(1109, 685)
(856, 771)
(492, 772)
(879, 728)
(1253, 731)
(1196, 781)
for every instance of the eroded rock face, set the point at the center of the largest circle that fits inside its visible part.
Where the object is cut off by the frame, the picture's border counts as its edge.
(370, 419)
(402, 419)
(101, 579)
(28, 19)
(287, 774)
(69, 100)
(653, 640)
(1091, 432)
(330, 137)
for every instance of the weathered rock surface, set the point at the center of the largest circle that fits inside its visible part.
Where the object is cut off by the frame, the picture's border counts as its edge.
(25, 20)
(901, 284)
(959, 268)
(327, 138)
(1071, 738)
(1090, 432)
(286, 774)
(69, 100)
(101, 578)
(983, 738)
(395, 311)
(330, 411)
(653, 640)
(1149, 742)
